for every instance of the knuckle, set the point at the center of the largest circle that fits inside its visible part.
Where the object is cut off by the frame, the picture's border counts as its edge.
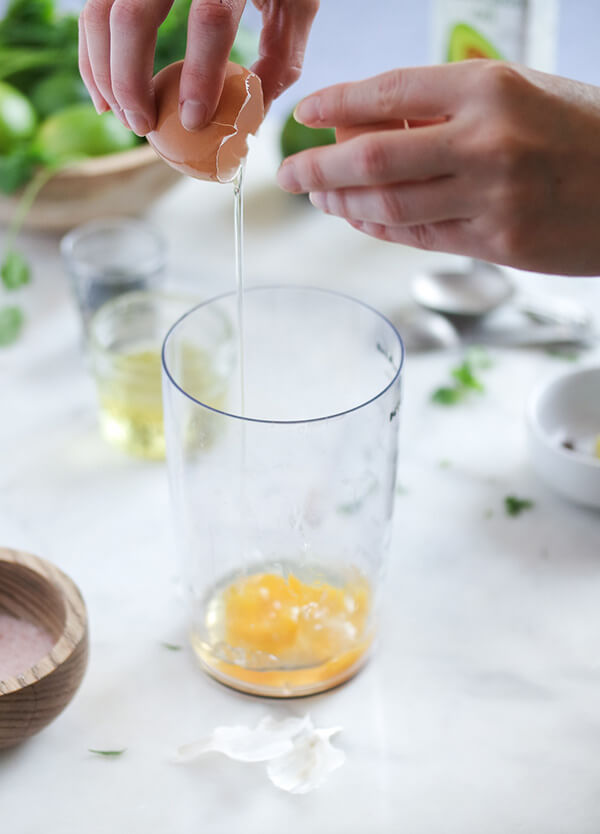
(125, 93)
(303, 8)
(499, 80)
(212, 14)
(422, 235)
(393, 210)
(127, 14)
(371, 159)
(314, 173)
(388, 91)
(95, 13)
(499, 147)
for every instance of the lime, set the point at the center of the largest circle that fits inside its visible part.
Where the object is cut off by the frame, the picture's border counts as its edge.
(78, 131)
(17, 118)
(296, 137)
(57, 91)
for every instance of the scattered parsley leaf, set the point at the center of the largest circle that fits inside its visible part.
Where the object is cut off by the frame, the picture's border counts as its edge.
(515, 506)
(15, 270)
(394, 413)
(11, 322)
(172, 647)
(447, 396)
(445, 464)
(465, 377)
(107, 753)
(402, 490)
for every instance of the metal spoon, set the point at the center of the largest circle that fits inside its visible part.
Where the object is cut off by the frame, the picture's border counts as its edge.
(473, 293)
(467, 299)
(421, 330)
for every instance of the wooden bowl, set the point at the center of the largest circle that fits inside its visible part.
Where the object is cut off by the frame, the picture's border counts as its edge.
(35, 590)
(122, 183)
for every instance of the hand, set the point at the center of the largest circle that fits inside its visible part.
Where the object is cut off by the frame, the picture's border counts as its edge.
(501, 163)
(116, 54)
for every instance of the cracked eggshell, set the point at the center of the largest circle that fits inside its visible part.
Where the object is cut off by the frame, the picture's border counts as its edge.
(216, 151)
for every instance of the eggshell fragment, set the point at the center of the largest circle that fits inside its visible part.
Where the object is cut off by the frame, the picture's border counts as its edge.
(216, 151)
(298, 756)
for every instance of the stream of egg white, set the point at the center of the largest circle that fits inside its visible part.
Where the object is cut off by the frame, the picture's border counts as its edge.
(238, 221)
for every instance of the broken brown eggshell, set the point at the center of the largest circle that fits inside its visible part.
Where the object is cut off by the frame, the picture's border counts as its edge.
(216, 151)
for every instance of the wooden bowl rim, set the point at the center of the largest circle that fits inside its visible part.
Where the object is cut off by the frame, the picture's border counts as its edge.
(75, 628)
(112, 163)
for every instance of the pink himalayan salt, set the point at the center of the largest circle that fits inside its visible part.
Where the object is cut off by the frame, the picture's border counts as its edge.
(22, 645)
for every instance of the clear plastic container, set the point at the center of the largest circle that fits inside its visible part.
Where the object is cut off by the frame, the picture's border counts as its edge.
(283, 493)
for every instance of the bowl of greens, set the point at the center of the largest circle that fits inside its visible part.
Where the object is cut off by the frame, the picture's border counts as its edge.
(60, 162)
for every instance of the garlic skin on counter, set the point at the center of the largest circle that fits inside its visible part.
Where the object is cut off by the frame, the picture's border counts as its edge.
(214, 152)
(299, 757)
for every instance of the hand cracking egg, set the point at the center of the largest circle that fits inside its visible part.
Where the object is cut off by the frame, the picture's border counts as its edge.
(216, 151)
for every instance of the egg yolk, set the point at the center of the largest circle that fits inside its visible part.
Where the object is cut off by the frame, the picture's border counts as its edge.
(300, 624)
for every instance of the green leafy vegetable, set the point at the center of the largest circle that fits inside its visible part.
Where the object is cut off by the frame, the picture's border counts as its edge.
(11, 322)
(16, 168)
(107, 753)
(15, 271)
(465, 378)
(448, 396)
(515, 506)
(172, 647)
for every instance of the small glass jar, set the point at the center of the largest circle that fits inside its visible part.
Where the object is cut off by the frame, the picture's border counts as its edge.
(106, 258)
(125, 338)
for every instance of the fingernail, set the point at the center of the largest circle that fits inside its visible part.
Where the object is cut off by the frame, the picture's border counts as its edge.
(193, 114)
(137, 121)
(286, 177)
(318, 199)
(121, 117)
(100, 105)
(308, 110)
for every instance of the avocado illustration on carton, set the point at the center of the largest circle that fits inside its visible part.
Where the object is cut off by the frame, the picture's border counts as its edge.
(466, 42)
(523, 31)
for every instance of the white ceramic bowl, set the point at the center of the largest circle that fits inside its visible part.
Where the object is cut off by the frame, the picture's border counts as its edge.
(567, 410)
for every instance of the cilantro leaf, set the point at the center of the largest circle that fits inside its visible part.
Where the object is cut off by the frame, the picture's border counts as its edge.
(465, 377)
(515, 506)
(15, 271)
(11, 322)
(107, 753)
(447, 396)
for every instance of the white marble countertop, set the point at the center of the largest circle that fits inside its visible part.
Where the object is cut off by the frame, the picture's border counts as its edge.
(480, 710)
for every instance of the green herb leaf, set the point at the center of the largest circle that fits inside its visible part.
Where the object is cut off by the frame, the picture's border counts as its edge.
(107, 753)
(447, 396)
(16, 168)
(15, 271)
(465, 377)
(11, 322)
(515, 506)
(172, 647)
